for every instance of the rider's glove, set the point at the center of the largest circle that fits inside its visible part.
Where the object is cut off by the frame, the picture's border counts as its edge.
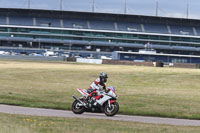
(107, 91)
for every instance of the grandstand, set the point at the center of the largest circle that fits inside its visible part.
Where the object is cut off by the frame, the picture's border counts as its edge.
(96, 34)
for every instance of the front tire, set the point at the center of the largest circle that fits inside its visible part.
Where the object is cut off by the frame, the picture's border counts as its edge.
(76, 108)
(112, 110)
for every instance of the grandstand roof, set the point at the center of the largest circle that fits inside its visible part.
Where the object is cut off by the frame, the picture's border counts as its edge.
(158, 54)
(101, 16)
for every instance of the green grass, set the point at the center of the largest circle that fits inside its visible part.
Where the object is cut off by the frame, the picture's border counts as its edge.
(148, 91)
(35, 124)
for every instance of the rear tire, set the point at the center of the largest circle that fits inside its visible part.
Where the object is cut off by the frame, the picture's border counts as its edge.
(77, 109)
(113, 110)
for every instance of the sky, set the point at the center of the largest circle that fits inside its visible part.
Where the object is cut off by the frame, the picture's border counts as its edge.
(167, 8)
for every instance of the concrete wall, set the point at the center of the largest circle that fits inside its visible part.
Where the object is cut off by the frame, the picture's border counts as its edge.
(184, 65)
(152, 64)
(122, 62)
(91, 61)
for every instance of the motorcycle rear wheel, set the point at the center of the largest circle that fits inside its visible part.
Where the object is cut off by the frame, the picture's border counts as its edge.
(77, 109)
(113, 110)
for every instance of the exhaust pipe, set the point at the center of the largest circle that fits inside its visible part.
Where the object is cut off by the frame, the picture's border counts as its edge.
(76, 98)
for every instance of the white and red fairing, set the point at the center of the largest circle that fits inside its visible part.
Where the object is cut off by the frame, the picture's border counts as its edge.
(83, 92)
(103, 97)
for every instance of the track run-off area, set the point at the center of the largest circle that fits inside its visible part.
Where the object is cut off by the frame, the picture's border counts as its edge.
(9, 109)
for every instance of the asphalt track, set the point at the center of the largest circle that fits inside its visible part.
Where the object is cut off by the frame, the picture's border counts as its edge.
(62, 113)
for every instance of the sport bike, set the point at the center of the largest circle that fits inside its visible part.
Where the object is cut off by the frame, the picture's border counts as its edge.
(105, 102)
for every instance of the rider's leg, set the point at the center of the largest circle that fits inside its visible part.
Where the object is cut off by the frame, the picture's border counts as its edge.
(92, 96)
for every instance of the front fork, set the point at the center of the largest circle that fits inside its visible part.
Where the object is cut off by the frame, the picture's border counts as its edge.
(109, 104)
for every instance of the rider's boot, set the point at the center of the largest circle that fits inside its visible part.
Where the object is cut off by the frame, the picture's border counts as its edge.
(93, 101)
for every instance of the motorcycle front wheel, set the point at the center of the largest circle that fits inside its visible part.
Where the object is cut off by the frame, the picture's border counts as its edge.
(112, 110)
(76, 108)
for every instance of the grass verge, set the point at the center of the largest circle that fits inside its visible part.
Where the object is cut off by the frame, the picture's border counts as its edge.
(32, 124)
(148, 91)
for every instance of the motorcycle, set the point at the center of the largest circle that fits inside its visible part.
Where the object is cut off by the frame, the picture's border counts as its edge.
(104, 102)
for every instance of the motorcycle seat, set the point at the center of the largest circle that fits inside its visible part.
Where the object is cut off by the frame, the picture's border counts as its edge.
(85, 91)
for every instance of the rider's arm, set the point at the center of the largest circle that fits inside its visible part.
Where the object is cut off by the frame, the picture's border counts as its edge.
(95, 85)
(104, 86)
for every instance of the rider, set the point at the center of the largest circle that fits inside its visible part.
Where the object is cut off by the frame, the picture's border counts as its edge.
(98, 85)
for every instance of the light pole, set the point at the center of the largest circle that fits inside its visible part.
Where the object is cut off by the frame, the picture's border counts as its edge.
(93, 6)
(29, 4)
(187, 11)
(157, 8)
(125, 7)
(61, 5)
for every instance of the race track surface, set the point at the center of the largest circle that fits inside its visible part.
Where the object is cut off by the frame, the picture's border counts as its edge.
(62, 113)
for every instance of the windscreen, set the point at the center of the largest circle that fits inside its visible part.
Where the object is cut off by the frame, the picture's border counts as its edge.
(112, 88)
